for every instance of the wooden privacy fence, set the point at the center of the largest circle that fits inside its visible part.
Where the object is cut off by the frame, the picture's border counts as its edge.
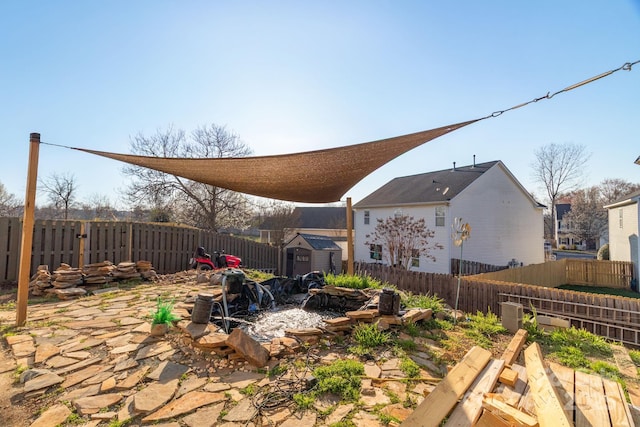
(77, 243)
(611, 316)
(568, 271)
(473, 267)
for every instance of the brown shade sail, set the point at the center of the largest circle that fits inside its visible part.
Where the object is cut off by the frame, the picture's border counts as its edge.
(320, 176)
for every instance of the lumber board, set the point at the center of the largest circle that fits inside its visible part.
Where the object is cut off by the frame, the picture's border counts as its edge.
(547, 403)
(445, 395)
(489, 419)
(591, 406)
(512, 351)
(563, 381)
(469, 409)
(512, 415)
(526, 403)
(512, 395)
(618, 408)
(508, 377)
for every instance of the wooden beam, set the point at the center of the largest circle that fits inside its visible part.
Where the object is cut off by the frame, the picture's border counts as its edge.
(514, 416)
(444, 397)
(349, 237)
(591, 406)
(512, 352)
(469, 409)
(617, 404)
(547, 403)
(27, 230)
(565, 386)
(508, 377)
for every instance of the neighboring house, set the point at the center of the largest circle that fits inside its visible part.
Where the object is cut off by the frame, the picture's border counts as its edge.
(506, 221)
(326, 221)
(565, 238)
(308, 252)
(624, 217)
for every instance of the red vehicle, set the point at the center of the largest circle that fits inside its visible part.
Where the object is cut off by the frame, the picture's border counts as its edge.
(204, 261)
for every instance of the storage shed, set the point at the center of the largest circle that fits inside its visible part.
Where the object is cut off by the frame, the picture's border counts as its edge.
(310, 252)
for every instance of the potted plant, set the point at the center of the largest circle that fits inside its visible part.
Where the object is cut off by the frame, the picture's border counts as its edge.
(163, 317)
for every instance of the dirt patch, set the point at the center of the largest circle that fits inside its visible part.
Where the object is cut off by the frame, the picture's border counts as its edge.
(13, 408)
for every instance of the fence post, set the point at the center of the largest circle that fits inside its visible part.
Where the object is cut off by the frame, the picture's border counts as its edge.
(27, 230)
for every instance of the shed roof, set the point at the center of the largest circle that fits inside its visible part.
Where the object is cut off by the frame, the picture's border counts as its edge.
(322, 243)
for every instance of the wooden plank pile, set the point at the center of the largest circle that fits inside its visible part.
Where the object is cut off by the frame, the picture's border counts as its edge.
(352, 318)
(487, 392)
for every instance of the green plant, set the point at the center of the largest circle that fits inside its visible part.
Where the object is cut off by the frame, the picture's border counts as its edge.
(482, 328)
(588, 343)
(369, 336)
(603, 252)
(75, 419)
(412, 329)
(344, 423)
(422, 301)
(572, 357)
(249, 390)
(407, 345)
(409, 368)
(606, 370)
(354, 282)
(635, 356)
(163, 313)
(341, 377)
(304, 401)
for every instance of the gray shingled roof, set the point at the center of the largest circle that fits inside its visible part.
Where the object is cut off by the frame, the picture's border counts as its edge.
(320, 242)
(439, 186)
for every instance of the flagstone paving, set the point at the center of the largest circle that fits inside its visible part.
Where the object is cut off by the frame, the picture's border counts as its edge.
(96, 359)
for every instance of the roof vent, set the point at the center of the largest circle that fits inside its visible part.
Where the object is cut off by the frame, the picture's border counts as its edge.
(474, 161)
(454, 166)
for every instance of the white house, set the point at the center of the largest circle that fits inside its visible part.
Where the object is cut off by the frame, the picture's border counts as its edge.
(506, 221)
(624, 217)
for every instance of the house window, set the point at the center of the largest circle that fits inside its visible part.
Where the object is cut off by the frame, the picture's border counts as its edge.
(366, 217)
(439, 216)
(620, 218)
(415, 258)
(375, 252)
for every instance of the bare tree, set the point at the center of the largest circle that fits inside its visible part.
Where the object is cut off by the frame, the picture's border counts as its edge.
(559, 168)
(187, 201)
(587, 216)
(612, 189)
(402, 239)
(98, 207)
(9, 204)
(279, 218)
(61, 191)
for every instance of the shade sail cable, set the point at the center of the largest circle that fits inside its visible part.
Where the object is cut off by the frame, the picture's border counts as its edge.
(319, 176)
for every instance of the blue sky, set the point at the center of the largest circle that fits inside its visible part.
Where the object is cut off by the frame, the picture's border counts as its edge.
(290, 76)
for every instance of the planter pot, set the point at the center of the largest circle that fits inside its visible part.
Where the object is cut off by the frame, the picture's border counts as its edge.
(159, 329)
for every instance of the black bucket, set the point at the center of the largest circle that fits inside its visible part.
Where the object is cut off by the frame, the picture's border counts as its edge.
(202, 308)
(389, 302)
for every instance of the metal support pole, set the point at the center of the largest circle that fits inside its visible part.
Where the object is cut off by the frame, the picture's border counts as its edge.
(27, 230)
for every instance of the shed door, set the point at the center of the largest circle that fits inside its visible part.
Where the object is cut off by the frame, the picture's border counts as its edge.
(298, 261)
